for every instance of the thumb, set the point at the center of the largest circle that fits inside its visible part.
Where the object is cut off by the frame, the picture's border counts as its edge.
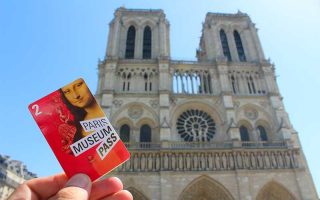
(77, 188)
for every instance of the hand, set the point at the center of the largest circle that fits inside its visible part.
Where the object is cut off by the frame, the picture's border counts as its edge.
(79, 187)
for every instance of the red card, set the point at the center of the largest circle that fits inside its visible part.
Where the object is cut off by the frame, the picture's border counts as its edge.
(78, 132)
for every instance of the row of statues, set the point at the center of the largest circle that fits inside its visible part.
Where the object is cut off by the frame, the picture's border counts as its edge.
(211, 160)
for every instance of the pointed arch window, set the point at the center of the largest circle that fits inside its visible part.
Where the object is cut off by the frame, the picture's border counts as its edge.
(145, 133)
(225, 45)
(244, 134)
(126, 81)
(147, 36)
(234, 84)
(251, 86)
(263, 133)
(125, 133)
(237, 38)
(130, 43)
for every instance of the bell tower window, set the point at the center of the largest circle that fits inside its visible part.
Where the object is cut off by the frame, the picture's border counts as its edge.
(225, 45)
(130, 44)
(147, 36)
(242, 56)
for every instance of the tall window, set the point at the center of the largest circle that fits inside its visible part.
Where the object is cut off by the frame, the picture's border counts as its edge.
(242, 56)
(147, 43)
(125, 133)
(131, 36)
(234, 84)
(263, 133)
(225, 45)
(250, 82)
(244, 134)
(147, 82)
(145, 133)
(126, 82)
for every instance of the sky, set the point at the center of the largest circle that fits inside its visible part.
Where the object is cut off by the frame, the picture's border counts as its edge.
(47, 44)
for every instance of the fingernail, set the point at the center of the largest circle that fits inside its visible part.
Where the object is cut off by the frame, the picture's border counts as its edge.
(79, 180)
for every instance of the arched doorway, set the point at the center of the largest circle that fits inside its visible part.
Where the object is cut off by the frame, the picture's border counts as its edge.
(274, 191)
(205, 188)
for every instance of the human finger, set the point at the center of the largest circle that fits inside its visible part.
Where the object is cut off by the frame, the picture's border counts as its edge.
(105, 187)
(78, 187)
(40, 188)
(121, 195)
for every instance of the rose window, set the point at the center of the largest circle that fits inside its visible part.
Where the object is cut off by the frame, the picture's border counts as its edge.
(196, 125)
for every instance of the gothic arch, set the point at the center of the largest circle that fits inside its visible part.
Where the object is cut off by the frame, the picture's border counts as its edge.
(226, 28)
(149, 23)
(147, 43)
(254, 113)
(205, 188)
(274, 191)
(122, 121)
(239, 46)
(122, 112)
(125, 121)
(137, 195)
(266, 126)
(238, 28)
(225, 44)
(130, 42)
(153, 128)
(246, 130)
(129, 23)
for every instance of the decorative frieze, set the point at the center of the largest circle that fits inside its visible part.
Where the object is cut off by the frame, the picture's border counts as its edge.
(211, 160)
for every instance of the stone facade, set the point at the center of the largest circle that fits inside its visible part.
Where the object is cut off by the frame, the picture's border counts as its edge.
(215, 128)
(12, 174)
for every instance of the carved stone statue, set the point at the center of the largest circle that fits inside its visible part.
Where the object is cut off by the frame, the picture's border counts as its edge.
(288, 160)
(195, 161)
(217, 161)
(157, 162)
(202, 161)
(231, 161)
(128, 165)
(239, 161)
(224, 161)
(150, 159)
(135, 162)
(253, 161)
(165, 161)
(143, 162)
(188, 162)
(274, 161)
(180, 161)
(173, 161)
(210, 161)
(280, 160)
(266, 160)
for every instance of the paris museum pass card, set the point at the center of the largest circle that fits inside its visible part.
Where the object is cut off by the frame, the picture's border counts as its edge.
(78, 132)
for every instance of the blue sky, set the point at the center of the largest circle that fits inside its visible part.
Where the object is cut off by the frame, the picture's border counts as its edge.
(46, 44)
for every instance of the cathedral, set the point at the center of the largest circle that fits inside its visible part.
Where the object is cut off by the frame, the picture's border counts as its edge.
(211, 129)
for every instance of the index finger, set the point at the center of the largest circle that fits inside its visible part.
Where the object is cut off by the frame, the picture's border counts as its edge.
(46, 187)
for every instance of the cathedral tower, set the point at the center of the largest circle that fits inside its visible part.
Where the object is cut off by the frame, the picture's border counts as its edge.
(215, 128)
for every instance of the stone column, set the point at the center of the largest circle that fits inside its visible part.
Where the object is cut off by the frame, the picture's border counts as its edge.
(256, 41)
(165, 85)
(108, 87)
